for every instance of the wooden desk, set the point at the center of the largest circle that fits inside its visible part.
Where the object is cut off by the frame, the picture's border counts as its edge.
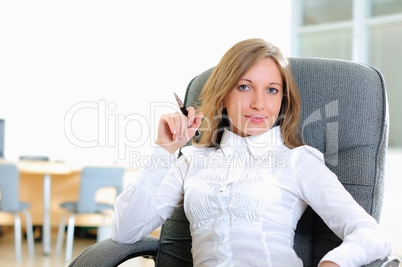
(46, 168)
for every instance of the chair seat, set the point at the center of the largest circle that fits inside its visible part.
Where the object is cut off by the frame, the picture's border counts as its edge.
(24, 206)
(73, 207)
(21, 206)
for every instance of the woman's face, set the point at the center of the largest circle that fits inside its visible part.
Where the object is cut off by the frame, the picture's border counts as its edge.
(254, 104)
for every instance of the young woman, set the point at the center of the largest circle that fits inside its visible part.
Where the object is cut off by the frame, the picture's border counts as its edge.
(248, 178)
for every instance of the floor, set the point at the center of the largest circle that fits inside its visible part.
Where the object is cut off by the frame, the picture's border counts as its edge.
(7, 252)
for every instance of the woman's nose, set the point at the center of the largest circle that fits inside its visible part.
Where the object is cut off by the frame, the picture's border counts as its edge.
(257, 102)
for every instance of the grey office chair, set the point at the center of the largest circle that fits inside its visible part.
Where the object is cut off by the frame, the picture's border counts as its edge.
(344, 115)
(9, 186)
(92, 179)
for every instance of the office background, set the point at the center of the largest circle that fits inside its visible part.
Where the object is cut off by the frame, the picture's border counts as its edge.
(85, 81)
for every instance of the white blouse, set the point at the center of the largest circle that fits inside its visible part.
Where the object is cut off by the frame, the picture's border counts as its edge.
(243, 201)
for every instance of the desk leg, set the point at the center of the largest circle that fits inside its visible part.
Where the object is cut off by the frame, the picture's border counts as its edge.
(46, 215)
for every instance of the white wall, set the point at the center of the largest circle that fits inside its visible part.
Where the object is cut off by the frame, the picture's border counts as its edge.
(391, 215)
(81, 66)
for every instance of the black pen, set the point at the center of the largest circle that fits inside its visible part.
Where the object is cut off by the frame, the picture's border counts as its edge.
(184, 110)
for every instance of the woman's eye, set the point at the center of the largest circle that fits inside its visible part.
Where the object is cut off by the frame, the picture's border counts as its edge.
(243, 87)
(272, 90)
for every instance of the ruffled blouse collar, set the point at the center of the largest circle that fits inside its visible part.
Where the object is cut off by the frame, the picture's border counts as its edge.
(257, 145)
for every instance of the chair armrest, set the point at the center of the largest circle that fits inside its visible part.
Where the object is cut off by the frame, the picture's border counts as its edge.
(387, 262)
(110, 253)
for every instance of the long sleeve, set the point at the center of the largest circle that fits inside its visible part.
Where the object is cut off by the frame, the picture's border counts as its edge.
(149, 201)
(363, 239)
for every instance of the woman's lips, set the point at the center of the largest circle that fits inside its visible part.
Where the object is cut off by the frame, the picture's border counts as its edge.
(256, 118)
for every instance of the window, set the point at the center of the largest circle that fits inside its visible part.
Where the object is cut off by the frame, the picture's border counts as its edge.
(368, 31)
(385, 7)
(324, 11)
(328, 44)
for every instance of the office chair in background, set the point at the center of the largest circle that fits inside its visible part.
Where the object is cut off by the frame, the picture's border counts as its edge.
(92, 179)
(9, 186)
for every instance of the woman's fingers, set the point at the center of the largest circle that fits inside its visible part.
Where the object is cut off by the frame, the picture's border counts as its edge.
(181, 125)
(177, 123)
(196, 122)
(171, 123)
(191, 116)
(174, 130)
(198, 119)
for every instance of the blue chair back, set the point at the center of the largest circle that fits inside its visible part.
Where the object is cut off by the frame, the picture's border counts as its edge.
(94, 178)
(33, 158)
(9, 186)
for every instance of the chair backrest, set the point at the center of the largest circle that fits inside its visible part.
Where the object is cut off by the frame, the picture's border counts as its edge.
(94, 178)
(33, 158)
(345, 116)
(9, 186)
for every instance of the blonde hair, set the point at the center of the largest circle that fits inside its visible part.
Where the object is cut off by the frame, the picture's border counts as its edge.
(234, 65)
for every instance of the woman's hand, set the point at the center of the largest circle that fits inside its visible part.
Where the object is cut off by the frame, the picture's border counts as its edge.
(328, 264)
(175, 129)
